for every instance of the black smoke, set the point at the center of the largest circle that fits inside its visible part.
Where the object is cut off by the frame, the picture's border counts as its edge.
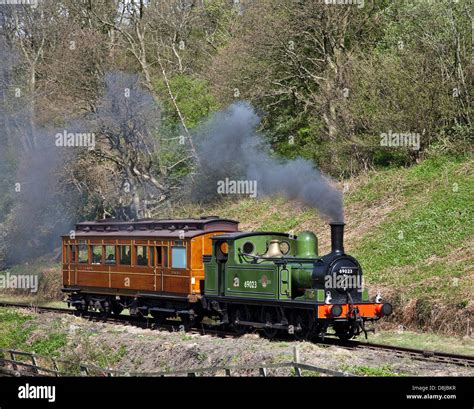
(230, 147)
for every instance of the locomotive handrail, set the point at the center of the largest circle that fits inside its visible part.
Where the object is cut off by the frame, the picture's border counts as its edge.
(280, 260)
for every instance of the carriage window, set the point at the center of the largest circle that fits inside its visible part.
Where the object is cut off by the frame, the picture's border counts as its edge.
(152, 256)
(178, 257)
(96, 252)
(165, 256)
(72, 253)
(110, 255)
(83, 253)
(142, 258)
(125, 256)
(162, 256)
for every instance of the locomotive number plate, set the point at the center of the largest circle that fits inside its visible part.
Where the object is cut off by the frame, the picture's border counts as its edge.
(250, 284)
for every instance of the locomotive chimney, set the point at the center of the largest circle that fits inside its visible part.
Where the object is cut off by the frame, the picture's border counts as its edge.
(337, 237)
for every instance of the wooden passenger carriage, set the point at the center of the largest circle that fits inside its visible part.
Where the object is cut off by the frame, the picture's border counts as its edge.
(135, 258)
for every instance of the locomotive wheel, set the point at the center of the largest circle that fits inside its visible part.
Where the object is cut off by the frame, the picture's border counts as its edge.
(302, 324)
(239, 314)
(344, 331)
(270, 317)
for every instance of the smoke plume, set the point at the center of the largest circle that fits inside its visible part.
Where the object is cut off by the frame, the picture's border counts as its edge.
(231, 148)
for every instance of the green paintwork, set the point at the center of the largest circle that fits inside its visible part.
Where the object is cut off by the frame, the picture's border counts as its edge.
(307, 245)
(244, 277)
(210, 283)
(320, 296)
(301, 275)
(365, 294)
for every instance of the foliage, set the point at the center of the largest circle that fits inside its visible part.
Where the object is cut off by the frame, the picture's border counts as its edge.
(328, 81)
(192, 96)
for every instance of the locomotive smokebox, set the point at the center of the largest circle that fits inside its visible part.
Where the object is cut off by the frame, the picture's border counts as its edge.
(337, 237)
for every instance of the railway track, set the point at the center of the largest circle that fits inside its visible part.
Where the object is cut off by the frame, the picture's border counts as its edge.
(216, 330)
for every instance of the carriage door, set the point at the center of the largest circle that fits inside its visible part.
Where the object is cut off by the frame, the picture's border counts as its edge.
(222, 255)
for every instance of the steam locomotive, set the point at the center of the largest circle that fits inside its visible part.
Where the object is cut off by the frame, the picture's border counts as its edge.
(193, 269)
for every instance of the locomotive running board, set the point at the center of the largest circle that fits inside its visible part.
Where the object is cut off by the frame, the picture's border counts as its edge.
(261, 325)
(171, 310)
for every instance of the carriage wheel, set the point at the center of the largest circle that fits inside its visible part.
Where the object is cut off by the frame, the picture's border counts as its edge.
(81, 310)
(159, 317)
(116, 308)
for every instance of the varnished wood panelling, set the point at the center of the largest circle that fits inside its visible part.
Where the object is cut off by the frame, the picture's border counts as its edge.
(132, 281)
(92, 279)
(176, 284)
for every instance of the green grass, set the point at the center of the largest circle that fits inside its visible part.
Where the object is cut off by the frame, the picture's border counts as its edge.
(434, 226)
(49, 280)
(50, 345)
(28, 300)
(13, 331)
(424, 341)
(363, 370)
(408, 247)
(16, 332)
